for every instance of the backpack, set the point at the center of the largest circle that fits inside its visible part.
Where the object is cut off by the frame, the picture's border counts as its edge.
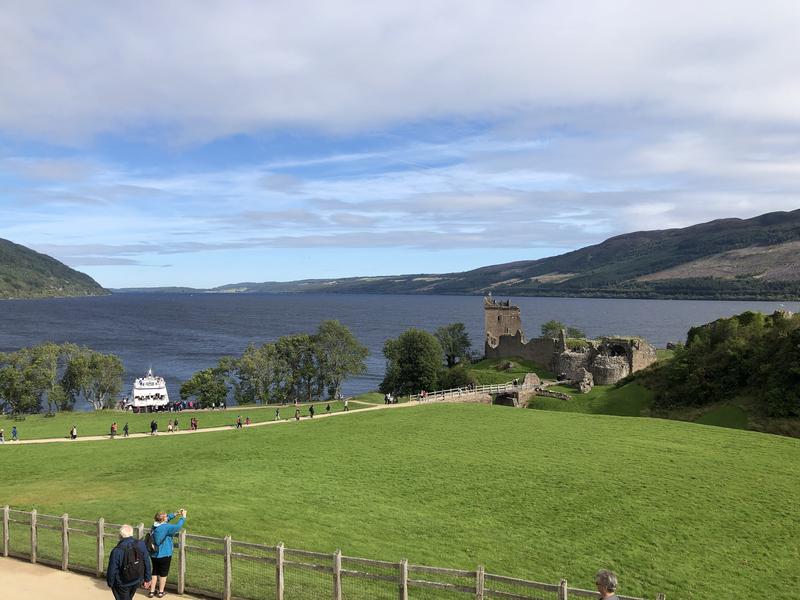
(132, 564)
(150, 543)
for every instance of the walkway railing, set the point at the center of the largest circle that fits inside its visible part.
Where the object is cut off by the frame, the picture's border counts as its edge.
(494, 388)
(230, 569)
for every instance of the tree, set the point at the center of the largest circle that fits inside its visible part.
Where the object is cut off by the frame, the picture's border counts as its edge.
(339, 355)
(206, 387)
(552, 329)
(302, 381)
(455, 343)
(413, 363)
(95, 376)
(457, 377)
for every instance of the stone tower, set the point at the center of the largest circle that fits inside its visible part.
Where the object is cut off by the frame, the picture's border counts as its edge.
(501, 318)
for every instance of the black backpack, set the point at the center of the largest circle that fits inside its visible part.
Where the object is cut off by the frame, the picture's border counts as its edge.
(150, 543)
(132, 564)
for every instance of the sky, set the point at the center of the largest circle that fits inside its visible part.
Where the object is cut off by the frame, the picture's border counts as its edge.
(199, 143)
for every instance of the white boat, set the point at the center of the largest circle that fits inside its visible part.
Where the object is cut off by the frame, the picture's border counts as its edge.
(148, 392)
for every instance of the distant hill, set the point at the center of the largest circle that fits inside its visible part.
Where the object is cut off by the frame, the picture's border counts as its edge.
(754, 258)
(28, 274)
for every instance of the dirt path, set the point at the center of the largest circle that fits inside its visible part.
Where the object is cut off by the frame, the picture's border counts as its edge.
(95, 438)
(21, 580)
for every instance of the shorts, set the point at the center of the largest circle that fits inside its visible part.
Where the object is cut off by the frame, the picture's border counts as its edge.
(161, 565)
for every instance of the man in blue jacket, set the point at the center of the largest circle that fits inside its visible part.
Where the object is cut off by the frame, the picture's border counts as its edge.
(162, 534)
(125, 576)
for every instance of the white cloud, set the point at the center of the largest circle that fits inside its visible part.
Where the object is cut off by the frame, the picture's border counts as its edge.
(196, 71)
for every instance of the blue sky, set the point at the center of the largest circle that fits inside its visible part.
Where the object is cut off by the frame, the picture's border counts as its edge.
(204, 143)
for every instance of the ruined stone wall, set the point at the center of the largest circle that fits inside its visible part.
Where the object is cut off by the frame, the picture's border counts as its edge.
(642, 355)
(540, 350)
(607, 370)
(572, 364)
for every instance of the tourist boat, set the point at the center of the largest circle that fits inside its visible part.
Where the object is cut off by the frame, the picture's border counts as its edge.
(148, 393)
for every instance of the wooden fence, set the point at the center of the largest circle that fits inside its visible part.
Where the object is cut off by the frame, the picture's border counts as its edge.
(230, 570)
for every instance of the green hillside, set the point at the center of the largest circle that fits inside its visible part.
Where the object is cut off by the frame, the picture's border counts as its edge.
(693, 511)
(724, 259)
(28, 274)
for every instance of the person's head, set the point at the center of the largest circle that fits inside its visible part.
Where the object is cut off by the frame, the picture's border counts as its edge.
(160, 517)
(125, 531)
(606, 581)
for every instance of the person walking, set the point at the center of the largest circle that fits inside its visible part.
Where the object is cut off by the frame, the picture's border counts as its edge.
(169, 426)
(162, 547)
(297, 414)
(2, 436)
(328, 408)
(277, 414)
(73, 433)
(128, 566)
(346, 408)
(14, 434)
(125, 430)
(153, 427)
(175, 425)
(247, 421)
(311, 411)
(239, 422)
(113, 430)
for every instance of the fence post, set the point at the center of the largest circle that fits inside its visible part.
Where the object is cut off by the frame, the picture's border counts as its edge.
(226, 594)
(337, 575)
(403, 579)
(661, 597)
(140, 531)
(479, 582)
(563, 590)
(279, 572)
(64, 542)
(5, 530)
(181, 561)
(34, 541)
(101, 530)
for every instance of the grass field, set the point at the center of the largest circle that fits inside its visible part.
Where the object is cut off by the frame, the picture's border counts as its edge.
(630, 400)
(693, 511)
(486, 371)
(99, 422)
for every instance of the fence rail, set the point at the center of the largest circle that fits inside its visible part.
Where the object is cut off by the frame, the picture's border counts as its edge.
(237, 570)
(494, 388)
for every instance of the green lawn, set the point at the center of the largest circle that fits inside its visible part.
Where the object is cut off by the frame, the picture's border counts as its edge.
(693, 511)
(629, 400)
(731, 416)
(99, 422)
(487, 373)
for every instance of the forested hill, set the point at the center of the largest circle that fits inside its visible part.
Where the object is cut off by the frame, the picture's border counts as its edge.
(28, 274)
(756, 258)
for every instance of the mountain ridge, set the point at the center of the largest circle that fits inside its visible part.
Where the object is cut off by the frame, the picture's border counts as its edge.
(25, 273)
(630, 265)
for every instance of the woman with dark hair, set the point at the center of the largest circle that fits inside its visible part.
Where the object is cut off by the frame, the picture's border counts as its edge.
(161, 536)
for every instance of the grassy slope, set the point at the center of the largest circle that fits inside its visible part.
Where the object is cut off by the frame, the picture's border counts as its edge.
(99, 422)
(630, 400)
(670, 506)
(486, 370)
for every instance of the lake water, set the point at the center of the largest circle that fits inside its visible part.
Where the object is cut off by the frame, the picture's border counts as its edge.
(179, 334)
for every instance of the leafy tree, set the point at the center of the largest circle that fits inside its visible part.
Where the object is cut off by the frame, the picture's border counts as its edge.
(457, 377)
(413, 363)
(552, 329)
(339, 355)
(303, 380)
(95, 376)
(206, 387)
(455, 343)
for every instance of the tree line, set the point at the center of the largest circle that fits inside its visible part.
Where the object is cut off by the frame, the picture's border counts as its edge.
(298, 367)
(55, 375)
(751, 356)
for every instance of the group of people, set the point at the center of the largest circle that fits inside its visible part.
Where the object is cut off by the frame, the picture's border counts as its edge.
(133, 563)
(14, 435)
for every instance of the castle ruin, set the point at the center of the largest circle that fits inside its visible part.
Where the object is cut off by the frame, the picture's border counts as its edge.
(606, 360)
